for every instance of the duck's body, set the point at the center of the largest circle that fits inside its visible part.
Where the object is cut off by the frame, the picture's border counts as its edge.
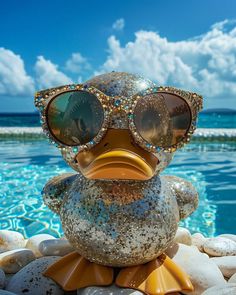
(120, 223)
(118, 211)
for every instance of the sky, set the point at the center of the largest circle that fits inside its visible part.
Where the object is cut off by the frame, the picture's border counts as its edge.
(187, 44)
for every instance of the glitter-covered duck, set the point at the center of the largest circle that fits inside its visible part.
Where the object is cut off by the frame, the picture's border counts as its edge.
(119, 131)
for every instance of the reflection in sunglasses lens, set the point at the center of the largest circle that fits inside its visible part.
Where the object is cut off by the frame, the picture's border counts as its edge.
(75, 117)
(162, 119)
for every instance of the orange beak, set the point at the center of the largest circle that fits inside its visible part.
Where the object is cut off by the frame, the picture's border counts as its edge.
(117, 157)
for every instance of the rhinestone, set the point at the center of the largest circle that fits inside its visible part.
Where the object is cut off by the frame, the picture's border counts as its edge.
(75, 149)
(117, 102)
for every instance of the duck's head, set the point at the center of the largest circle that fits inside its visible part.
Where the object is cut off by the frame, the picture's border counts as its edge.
(118, 125)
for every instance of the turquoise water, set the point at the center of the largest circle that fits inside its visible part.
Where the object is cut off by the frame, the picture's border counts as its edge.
(219, 119)
(27, 165)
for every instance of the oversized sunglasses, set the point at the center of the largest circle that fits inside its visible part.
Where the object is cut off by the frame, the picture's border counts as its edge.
(78, 116)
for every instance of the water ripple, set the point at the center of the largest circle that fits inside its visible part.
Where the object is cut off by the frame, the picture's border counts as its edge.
(27, 165)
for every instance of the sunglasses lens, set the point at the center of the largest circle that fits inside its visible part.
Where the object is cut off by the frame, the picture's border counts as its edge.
(162, 119)
(75, 117)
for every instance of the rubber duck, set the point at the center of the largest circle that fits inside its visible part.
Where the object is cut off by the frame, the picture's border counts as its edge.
(118, 131)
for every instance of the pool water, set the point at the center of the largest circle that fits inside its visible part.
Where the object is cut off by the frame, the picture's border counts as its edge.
(27, 165)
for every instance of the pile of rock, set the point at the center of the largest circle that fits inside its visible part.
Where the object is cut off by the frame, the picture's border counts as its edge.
(210, 263)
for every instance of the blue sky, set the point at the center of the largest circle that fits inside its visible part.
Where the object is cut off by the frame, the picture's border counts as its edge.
(188, 44)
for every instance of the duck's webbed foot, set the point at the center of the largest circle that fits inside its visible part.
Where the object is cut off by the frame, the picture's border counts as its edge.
(157, 277)
(186, 194)
(73, 272)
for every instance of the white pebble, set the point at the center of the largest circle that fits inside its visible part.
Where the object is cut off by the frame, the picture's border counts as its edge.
(10, 240)
(8, 277)
(12, 261)
(31, 281)
(109, 290)
(202, 271)
(4, 292)
(232, 279)
(34, 242)
(2, 279)
(183, 236)
(228, 236)
(227, 265)
(198, 240)
(56, 247)
(224, 289)
(220, 247)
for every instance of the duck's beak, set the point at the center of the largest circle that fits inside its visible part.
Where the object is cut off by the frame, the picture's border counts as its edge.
(117, 157)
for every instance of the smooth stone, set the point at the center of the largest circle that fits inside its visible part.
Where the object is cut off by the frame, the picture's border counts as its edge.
(228, 236)
(232, 279)
(198, 240)
(183, 236)
(8, 277)
(203, 272)
(220, 247)
(10, 240)
(110, 290)
(227, 265)
(2, 279)
(224, 289)
(4, 292)
(56, 247)
(34, 242)
(31, 281)
(12, 261)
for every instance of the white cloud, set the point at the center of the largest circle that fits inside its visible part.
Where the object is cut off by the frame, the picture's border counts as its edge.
(48, 75)
(119, 24)
(77, 63)
(206, 63)
(14, 80)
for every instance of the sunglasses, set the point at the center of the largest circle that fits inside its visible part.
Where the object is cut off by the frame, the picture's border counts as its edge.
(78, 116)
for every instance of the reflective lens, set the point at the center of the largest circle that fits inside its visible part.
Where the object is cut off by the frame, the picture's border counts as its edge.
(75, 117)
(162, 119)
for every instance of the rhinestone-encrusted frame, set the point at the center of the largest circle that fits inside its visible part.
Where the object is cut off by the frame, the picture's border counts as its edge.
(116, 104)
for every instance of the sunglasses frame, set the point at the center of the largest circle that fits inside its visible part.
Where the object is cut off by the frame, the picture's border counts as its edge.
(111, 104)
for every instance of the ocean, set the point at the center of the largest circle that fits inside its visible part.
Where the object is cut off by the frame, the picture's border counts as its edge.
(207, 119)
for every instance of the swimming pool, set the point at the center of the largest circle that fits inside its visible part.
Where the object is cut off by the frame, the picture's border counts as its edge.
(26, 165)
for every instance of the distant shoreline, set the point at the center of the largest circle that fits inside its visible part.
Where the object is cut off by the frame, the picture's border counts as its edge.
(219, 111)
(20, 114)
(211, 118)
(207, 111)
